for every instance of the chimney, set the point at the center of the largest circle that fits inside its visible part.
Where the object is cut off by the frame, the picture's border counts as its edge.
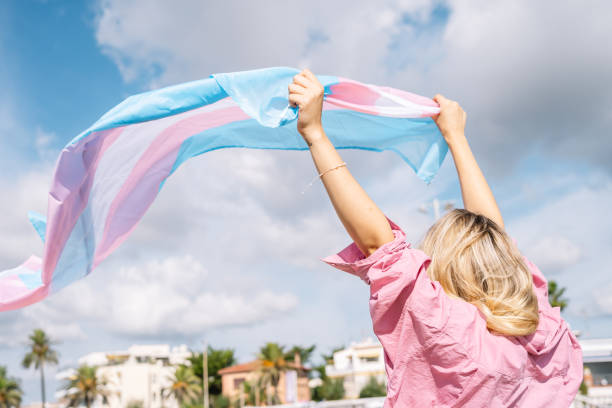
(297, 359)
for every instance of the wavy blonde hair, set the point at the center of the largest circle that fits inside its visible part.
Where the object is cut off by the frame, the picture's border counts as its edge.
(475, 260)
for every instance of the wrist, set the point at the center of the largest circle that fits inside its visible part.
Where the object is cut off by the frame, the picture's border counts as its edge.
(455, 139)
(313, 135)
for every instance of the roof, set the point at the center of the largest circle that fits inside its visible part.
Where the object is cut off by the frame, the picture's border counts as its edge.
(253, 366)
(241, 368)
(596, 350)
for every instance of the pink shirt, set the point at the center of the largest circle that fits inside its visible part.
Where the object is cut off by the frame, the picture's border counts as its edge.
(438, 351)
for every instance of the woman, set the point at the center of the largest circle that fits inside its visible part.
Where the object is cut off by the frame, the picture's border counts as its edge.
(464, 320)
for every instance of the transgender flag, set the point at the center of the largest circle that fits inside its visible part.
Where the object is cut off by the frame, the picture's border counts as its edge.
(107, 177)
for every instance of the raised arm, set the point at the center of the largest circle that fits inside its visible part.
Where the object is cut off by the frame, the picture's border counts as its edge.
(362, 219)
(477, 196)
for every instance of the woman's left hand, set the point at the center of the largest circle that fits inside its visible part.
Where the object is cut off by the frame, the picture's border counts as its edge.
(306, 92)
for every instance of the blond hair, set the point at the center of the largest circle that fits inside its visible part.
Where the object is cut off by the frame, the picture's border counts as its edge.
(474, 259)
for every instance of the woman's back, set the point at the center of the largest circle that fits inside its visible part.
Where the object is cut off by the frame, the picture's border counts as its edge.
(438, 350)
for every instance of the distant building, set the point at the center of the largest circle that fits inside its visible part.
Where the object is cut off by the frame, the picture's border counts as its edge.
(39, 405)
(137, 375)
(356, 364)
(597, 357)
(292, 387)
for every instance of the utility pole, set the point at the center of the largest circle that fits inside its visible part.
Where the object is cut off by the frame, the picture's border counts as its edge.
(435, 205)
(205, 375)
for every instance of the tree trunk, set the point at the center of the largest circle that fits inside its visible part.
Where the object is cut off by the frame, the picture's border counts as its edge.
(87, 403)
(42, 383)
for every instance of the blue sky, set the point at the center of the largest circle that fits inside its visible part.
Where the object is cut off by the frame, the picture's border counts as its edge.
(233, 224)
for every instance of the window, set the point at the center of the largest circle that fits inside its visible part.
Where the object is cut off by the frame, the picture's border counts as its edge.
(238, 382)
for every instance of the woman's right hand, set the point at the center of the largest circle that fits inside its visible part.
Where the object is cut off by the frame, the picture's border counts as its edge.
(451, 119)
(306, 92)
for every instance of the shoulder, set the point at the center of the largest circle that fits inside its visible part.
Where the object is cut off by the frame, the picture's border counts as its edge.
(396, 254)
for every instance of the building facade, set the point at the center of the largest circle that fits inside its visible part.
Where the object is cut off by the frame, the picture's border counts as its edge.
(597, 357)
(135, 376)
(292, 387)
(356, 364)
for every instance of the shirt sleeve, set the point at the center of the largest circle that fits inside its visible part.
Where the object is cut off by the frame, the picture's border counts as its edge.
(407, 308)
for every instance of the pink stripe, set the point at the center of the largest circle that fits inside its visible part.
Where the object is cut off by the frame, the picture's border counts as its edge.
(11, 288)
(15, 294)
(69, 192)
(142, 185)
(33, 263)
(23, 299)
(361, 97)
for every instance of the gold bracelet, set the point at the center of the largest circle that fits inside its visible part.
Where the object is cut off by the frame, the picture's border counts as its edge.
(333, 168)
(321, 175)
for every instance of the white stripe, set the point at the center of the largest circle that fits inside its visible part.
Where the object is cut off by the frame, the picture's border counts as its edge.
(119, 160)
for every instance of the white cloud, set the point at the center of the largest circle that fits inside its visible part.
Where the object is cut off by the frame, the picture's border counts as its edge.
(199, 38)
(27, 191)
(553, 253)
(568, 236)
(18, 325)
(603, 298)
(43, 142)
(171, 297)
(528, 83)
(240, 213)
(523, 81)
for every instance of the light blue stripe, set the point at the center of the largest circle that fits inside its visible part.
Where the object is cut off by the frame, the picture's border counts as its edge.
(39, 222)
(262, 92)
(417, 141)
(32, 280)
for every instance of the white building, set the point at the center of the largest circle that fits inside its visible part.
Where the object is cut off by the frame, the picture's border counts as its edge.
(597, 357)
(137, 375)
(357, 364)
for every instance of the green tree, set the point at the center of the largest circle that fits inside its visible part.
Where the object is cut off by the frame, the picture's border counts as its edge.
(555, 295)
(217, 360)
(253, 393)
(84, 387)
(273, 364)
(185, 386)
(39, 354)
(583, 389)
(221, 401)
(135, 404)
(373, 389)
(556, 299)
(10, 391)
(330, 389)
(329, 358)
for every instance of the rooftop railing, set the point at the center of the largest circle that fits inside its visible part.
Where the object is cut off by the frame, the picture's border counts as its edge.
(353, 403)
(582, 401)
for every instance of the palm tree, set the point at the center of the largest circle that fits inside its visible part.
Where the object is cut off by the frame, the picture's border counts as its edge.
(555, 293)
(305, 354)
(273, 364)
(217, 359)
(39, 354)
(84, 387)
(10, 392)
(184, 385)
(329, 358)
